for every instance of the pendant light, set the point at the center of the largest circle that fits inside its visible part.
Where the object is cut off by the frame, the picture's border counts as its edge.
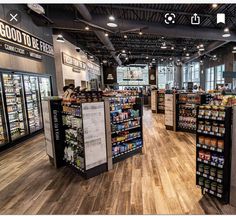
(60, 39)
(226, 33)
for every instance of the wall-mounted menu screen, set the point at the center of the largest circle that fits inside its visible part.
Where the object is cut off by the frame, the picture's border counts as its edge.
(15, 105)
(33, 103)
(3, 130)
(133, 75)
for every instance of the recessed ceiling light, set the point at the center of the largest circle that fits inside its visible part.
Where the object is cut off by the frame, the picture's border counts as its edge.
(178, 60)
(106, 34)
(172, 48)
(123, 51)
(112, 18)
(126, 58)
(170, 59)
(87, 28)
(147, 57)
(226, 33)
(125, 36)
(113, 25)
(184, 48)
(187, 54)
(60, 38)
(153, 59)
(162, 60)
(140, 32)
(214, 5)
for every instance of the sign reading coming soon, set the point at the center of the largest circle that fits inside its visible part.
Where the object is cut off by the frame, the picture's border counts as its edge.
(17, 36)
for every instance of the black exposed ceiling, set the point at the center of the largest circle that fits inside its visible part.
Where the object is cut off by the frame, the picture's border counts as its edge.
(147, 17)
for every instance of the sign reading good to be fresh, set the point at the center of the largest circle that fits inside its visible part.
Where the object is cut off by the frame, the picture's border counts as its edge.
(22, 38)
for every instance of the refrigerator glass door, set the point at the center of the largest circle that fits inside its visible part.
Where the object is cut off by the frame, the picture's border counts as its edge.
(3, 129)
(45, 87)
(15, 105)
(33, 103)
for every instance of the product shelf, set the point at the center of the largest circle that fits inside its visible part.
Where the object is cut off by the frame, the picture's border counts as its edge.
(126, 120)
(126, 140)
(220, 152)
(130, 128)
(211, 148)
(209, 177)
(210, 163)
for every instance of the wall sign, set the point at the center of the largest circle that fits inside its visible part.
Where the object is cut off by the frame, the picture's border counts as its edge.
(7, 47)
(12, 34)
(73, 62)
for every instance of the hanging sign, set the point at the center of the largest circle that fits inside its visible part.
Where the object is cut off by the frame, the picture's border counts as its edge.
(17, 36)
(73, 62)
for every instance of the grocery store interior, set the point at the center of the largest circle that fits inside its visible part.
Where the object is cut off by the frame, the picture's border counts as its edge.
(117, 109)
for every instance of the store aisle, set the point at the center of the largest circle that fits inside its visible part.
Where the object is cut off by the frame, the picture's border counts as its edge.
(160, 181)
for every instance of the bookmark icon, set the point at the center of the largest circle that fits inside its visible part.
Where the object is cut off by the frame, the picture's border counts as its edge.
(220, 18)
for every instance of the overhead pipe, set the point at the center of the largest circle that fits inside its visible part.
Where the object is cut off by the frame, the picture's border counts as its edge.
(82, 9)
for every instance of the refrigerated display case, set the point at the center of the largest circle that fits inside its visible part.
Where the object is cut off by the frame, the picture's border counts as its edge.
(13, 88)
(20, 105)
(33, 107)
(45, 87)
(3, 129)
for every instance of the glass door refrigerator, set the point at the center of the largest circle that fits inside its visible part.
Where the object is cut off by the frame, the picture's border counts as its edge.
(4, 139)
(45, 87)
(13, 88)
(33, 106)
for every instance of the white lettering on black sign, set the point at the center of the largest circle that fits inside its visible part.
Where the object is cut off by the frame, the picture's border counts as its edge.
(13, 34)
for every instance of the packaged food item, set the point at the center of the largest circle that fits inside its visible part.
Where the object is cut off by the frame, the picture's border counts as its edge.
(215, 111)
(207, 183)
(207, 169)
(208, 111)
(201, 154)
(214, 142)
(215, 127)
(214, 158)
(221, 160)
(201, 110)
(213, 186)
(201, 168)
(222, 128)
(222, 112)
(201, 140)
(207, 126)
(208, 156)
(213, 172)
(220, 174)
(208, 141)
(201, 181)
(220, 144)
(201, 125)
(220, 189)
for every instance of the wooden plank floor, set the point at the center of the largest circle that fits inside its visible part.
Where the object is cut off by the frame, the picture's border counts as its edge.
(159, 181)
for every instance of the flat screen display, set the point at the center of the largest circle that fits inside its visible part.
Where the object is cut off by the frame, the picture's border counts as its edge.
(132, 75)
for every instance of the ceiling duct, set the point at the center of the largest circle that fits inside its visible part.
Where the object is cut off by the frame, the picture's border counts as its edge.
(82, 9)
